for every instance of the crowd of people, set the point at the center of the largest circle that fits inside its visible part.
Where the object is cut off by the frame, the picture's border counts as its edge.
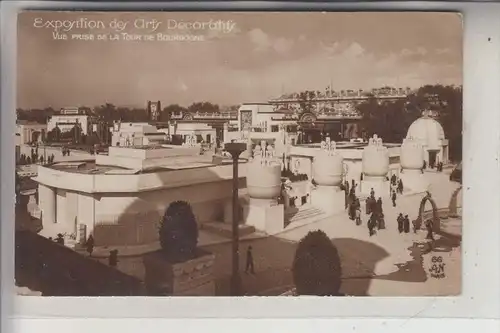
(374, 208)
(432, 164)
(35, 158)
(65, 151)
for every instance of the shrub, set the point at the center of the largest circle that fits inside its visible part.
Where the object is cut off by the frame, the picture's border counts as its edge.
(179, 231)
(316, 267)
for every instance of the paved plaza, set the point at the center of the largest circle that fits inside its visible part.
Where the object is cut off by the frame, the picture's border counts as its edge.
(386, 264)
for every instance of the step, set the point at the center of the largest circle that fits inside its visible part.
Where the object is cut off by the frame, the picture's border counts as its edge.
(226, 230)
(303, 213)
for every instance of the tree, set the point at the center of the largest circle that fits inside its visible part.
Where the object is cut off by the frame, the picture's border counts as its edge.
(203, 107)
(179, 232)
(107, 112)
(316, 267)
(306, 101)
(446, 101)
(390, 120)
(172, 109)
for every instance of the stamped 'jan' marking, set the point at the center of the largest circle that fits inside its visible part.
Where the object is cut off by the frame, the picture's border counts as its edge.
(437, 267)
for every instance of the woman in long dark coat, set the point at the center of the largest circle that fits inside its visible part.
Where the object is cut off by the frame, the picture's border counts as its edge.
(429, 226)
(406, 224)
(401, 221)
(372, 223)
(90, 245)
(381, 221)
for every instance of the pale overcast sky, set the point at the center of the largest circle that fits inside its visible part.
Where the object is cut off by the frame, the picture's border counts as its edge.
(264, 55)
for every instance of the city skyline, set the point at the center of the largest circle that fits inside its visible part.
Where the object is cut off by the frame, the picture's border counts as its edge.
(257, 60)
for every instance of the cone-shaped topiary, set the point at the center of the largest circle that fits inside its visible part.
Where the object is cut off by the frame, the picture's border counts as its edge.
(179, 231)
(316, 266)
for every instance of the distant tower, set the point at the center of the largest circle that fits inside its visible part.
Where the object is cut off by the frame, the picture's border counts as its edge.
(153, 110)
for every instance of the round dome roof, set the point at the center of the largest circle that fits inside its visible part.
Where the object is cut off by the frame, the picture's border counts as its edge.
(426, 130)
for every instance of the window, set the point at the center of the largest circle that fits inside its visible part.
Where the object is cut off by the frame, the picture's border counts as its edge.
(274, 128)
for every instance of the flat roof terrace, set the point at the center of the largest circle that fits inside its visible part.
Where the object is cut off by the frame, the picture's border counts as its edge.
(155, 157)
(170, 164)
(89, 177)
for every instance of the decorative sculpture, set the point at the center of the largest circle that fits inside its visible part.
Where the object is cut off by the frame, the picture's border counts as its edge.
(329, 147)
(265, 154)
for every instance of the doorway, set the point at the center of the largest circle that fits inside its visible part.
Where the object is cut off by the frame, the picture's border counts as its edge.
(432, 158)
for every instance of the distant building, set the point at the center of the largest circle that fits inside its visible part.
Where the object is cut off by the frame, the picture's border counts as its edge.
(29, 131)
(135, 134)
(154, 109)
(430, 134)
(202, 132)
(67, 118)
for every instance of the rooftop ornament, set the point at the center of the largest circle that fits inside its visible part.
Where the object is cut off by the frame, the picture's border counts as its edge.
(329, 147)
(376, 142)
(265, 154)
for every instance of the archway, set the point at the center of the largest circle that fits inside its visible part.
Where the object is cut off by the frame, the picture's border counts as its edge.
(35, 135)
(308, 118)
(310, 132)
(435, 216)
(453, 206)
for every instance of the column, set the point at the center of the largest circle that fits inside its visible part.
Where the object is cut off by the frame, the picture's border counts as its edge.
(47, 198)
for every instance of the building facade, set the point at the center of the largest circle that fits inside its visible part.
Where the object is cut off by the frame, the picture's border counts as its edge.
(30, 132)
(135, 134)
(121, 198)
(67, 118)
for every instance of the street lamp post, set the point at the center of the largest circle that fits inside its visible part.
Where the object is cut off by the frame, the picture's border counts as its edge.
(235, 149)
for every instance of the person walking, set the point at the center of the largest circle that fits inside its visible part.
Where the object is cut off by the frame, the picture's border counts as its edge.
(379, 205)
(249, 264)
(358, 216)
(400, 186)
(113, 258)
(346, 194)
(372, 222)
(400, 222)
(394, 196)
(90, 245)
(406, 224)
(381, 221)
(393, 179)
(60, 239)
(429, 226)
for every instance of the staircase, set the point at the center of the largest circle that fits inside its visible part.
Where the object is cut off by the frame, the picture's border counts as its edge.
(296, 217)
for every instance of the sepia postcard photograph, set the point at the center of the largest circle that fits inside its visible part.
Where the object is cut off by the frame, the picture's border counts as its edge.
(238, 154)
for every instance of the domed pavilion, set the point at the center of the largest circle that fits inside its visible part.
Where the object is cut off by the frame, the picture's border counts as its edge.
(430, 134)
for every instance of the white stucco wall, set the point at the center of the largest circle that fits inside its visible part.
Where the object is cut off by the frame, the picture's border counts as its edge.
(126, 209)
